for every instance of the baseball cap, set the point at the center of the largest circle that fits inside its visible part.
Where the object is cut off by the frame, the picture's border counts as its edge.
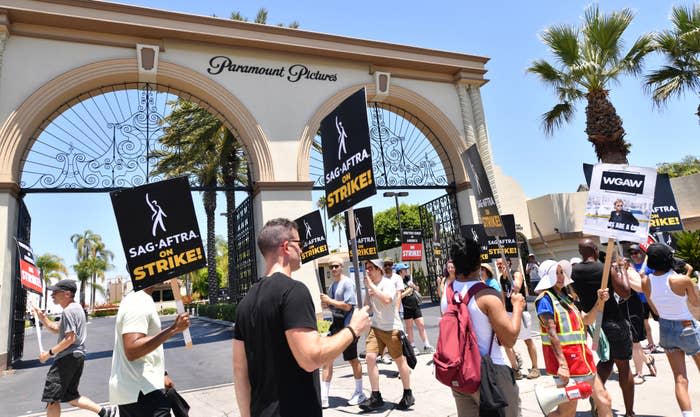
(400, 266)
(377, 262)
(634, 248)
(388, 261)
(64, 285)
(659, 257)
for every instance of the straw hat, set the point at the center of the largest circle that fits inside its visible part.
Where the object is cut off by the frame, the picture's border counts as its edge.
(489, 269)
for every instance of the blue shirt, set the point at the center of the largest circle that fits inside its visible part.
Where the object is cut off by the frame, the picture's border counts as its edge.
(544, 306)
(648, 271)
(493, 283)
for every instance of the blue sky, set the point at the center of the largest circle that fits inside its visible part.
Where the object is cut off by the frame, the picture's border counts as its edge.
(507, 33)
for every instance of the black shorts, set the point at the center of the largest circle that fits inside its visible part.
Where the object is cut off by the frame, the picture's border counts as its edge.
(153, 404)
(619, 334)
(648, 312)
(636, 313)
(412, 313)
(350, 352)
(63, 379)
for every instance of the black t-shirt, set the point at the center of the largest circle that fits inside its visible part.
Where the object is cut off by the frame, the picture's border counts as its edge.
(587, 277)
(279, 386)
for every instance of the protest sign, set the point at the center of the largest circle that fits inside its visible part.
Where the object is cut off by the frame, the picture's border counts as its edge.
(364, 233)
(159, 231)
(347, 155)
(29, 273)
(313, 237)
(485, 202)
(620, 202)
(489, 245)
(411, 245)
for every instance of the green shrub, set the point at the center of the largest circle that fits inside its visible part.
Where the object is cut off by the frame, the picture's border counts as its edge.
(225, 312)
(168, 310)
(104, 312)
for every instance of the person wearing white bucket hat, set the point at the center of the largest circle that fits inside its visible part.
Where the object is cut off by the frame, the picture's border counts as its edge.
(563, 331)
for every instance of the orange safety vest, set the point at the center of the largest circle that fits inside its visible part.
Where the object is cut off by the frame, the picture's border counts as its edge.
(571, 333)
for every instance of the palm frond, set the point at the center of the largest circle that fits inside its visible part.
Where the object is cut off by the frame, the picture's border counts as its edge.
(563, 41)
(555, 118)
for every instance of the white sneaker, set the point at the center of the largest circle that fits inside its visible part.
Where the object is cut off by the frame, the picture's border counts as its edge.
(324, 402)
(357, 397)
(385, 359)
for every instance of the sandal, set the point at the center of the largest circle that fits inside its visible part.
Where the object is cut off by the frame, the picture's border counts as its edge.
(651, 364)
(638, 379)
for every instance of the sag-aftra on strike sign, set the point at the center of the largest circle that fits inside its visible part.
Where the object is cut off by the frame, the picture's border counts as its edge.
(159, 231)
(347, 155)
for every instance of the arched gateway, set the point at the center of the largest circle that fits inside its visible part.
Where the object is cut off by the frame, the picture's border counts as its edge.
(269, 84)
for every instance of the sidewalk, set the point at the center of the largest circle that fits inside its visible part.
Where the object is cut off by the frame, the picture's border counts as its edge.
(655, 397)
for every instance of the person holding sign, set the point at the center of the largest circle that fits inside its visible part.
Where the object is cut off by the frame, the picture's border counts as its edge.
(384, 333)
(587, 278)
(64, 375)
(679, 332)
(138, 379)
(342, 301)
(563, 330)
(277, 349)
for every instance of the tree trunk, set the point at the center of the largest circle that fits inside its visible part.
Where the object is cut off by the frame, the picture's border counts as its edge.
(92, 292)
(212, 279)
(231, 242)
(83, 283)
(604, 129)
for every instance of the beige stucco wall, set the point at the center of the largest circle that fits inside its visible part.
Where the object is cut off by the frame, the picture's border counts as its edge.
(687, 192)
(512, 199)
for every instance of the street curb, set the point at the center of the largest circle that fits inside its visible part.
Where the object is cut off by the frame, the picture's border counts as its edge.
(215, 321)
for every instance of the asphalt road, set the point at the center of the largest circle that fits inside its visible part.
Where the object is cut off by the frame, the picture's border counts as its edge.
(208, 363)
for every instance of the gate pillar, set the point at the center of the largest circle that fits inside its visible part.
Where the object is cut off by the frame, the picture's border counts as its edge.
(290, 200)
(466, 204)
(9, 205)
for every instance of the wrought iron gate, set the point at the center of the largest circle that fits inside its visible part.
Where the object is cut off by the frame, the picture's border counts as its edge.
(245, 273)
(440, 222)
(19, 294)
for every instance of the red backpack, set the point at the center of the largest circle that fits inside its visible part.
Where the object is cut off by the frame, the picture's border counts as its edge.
(457, 358)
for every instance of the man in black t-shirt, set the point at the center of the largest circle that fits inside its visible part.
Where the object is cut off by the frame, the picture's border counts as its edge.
(277, 349)
(587, 277)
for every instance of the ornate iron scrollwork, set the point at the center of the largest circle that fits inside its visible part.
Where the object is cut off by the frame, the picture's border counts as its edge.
(403, 155)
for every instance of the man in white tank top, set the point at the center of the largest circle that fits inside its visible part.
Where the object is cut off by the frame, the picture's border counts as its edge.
(679, 332)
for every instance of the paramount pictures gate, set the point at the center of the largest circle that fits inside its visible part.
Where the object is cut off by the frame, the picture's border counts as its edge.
(112, 138)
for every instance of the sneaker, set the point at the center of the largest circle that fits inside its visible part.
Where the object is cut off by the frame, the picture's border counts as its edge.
(533, 374)
(406, 402)
(416, 351)
(518, 360)
(372, 403)
(112, 411)
(385, 359)
(518, 375)
(428, 349)
(357, 398)
(324, 402)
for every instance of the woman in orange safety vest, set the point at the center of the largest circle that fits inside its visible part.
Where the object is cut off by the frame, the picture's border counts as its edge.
(563, 331)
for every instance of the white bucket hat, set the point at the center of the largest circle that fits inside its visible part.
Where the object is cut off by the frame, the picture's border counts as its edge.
(548, 274)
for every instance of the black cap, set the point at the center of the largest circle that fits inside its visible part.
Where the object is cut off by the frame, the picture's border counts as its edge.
(659, 257)
(64, 285)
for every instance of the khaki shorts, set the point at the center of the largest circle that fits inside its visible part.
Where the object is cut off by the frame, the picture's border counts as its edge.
(377, 340)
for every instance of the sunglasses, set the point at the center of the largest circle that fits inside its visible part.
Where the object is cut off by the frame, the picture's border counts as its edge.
(634, 253)
(335, 266)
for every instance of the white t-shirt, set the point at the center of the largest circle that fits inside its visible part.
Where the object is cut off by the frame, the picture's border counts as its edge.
(137, 314)
(398, 283)
(384, 316)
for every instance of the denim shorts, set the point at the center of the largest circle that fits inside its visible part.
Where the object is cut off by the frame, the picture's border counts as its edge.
(677, 336)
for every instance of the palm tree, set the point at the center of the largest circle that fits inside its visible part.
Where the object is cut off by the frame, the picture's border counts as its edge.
(52, 268)
(681, 48)
(321, 204)
(93, 260)
(588, 60)
(338, 222)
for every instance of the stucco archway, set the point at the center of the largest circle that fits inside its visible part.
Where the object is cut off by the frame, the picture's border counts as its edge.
(16, 133)
(451, 139)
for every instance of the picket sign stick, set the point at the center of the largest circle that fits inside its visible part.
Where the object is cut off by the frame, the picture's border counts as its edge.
(353, 248)
(175, 286)
(505, 265)
(36, 326)
(603, 285)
